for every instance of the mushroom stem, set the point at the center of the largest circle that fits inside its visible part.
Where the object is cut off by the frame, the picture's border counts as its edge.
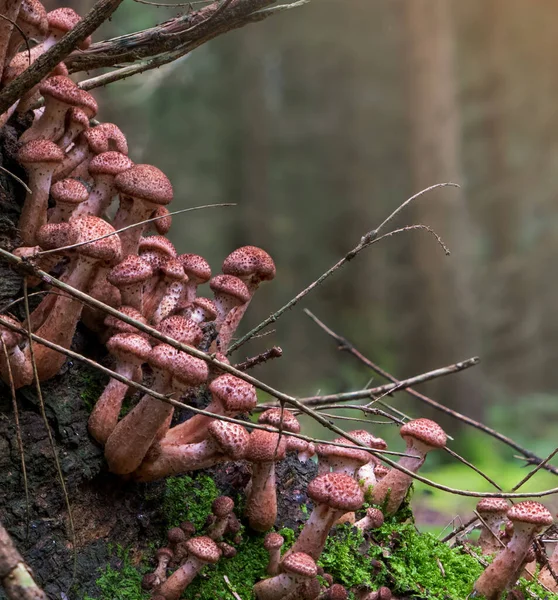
(9, 9)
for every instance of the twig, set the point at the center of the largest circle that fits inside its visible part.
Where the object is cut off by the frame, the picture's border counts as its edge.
(27, 188)
(345, 345)
(367, 240)
(231, 588)
(45, 63)
(250, 363)
(540, 466)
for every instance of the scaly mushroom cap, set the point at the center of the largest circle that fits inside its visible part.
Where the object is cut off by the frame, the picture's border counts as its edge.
(33, 15)
(189, 370)
(129, 347)
(380, 471)
(236, 395)
(172, 269)
(157, 250)
(204, 549)
(132, 269)
(231, 286)
(492, 506)
(338, 592)
(77, 115)
(250, 262)
(145, 182)
(56, 235)
(205, 306)
(117, 326)
(299, 563)
(375, 517)
(273, 540)
(232, 438)
(182, 330)
(69, 191)
(62, 20)
(265, 447)
(109, 163)
(107, 249)
(426, 431)
(273, 417)
(164, 220)
(330, 453)
(530, 512)
(196, 267)
(64, 90)
(336, 490)
(365, 437)
(222, 506)
(39, 151)
(105, 138)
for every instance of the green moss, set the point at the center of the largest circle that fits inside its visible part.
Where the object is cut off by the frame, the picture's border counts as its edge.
(93, 386)
(188, 499)
(532, 589)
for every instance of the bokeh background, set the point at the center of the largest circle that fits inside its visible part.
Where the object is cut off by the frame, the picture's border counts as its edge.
(318, 123)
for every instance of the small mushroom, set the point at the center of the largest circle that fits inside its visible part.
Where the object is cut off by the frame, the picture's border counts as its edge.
(273, 542)
(222, 507)
(297, 568)
(68, 195)
(374, 519)
(494, 513)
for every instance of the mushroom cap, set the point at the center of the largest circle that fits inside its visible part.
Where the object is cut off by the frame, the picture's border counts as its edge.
(172, 269)
(266, 447)
(493, 506)
(107, 249)
(56, 235)
(40, 151)
(129, 347)
(365, 437)
(204, 549)
(69, 191)
(87, 103)
(104, 138)
(163, 357)
(250, 261)
(227, 550)
(109, 163)
(132, 269)
(181, 329)
(145, 182)
(119, 326)
(208, 307)
(164, 220)
(336, 490)
(530, 512)
(231, 437)
(61, 88)
(9, 337)
(164, 552)
(426, 431)
(222, 506)
(33, 13)
(337, 592)
(77, 115)
(65, 19)
(231, 286)
(381, 471)
(376, 517)
(295, 444)
(176, 535)
(273, 540)
(236, 395)
(157, 244)
(188, 369)
(277, 416)
(196, 267)
(332, 452)
(299, 563)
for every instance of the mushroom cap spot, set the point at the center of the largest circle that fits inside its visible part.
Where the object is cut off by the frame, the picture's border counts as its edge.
(121, 326)
(493, 506)
(222, 506)
(87, 103)
(61, 88)
(265, 446)
(163, 357)
(273, 540)
(104, 138)
(164, 220)
(107, 249)
(231, 286)
(77, 115)
(196, 267)
(189, 369)
(109, 163)
(365, 437)
(181, 329)
(132, 269)
(231, 437)
(300, 563)
(32, 12)
(336, 490)
(145, 182)
(40, 151)
(376, 517)
(208, 306)
(250, 261)
(236, 395)
(273, 417)
(129, 346)
(165, 552)
(204, 549)
(65, 19)
(172, 269)
(157, 243)
(530, 512)
(56, 235)
(354, 454)
(70, 191)
(9, 337)
(426, 431)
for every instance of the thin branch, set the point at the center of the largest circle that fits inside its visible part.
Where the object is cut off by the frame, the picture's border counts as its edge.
(264, 357)
(367, 240)
(27, 188)
(47, 61)
(540, 466)
(346, 346)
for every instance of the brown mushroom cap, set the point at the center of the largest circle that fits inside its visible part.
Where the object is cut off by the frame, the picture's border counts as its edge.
(129, 347)
(300, 563)
(164, 220)
(492, 505)
(107, 249)
(207, 306)
(63, 20)
(332, 452)
(336, 490)
(33, 13)
(273, 540)
(265, 447)
(376, 517)
(119, 326)
(276, 417)
(61, 88)
(164, 552)
(196, 267)
(145, 182)
(104, 138)
(189, 370)
(40, 151)
(9, 337)
(232, 286)
(157, 250)
(426, 431)
(109, 163)
(181, 329)
(204, 549)
(69, 191)
(250, 261)
(365, 437)
(530, 512)
(77, 115)
(231, 437)
(236, 395)
(132, 269)
(172, 269)
(56, 235)
(222, 506)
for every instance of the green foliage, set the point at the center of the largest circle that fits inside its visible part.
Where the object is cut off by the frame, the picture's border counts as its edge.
(188, 499)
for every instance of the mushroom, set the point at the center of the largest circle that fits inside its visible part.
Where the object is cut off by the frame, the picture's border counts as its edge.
(264, 450)
(366, 475)
(305, 450)
(230, 292)
(156, 250)
(493, 512)
(201, 310)
(201, 551)
(545, 576)
(222, 507)
(129, 277)
(128, 444)
(130, 351)
(230, 397)
(273, 542)
(340, 459)
(198, 271)
(31, 21)
(19, 367)
(374, 519)
(334, 494)
(168, 291)
(143, 188)
(68, 194)
(529, 519)
(280, 418)
(181, 329)
(335, 592)
(163, 221)
(115, 325)
(39, 158)
(75, 121)
(421, 436)
(297, 568)
(60, 21)
(164, 556)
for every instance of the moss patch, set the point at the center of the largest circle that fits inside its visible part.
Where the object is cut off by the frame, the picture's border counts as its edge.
(188, 499)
